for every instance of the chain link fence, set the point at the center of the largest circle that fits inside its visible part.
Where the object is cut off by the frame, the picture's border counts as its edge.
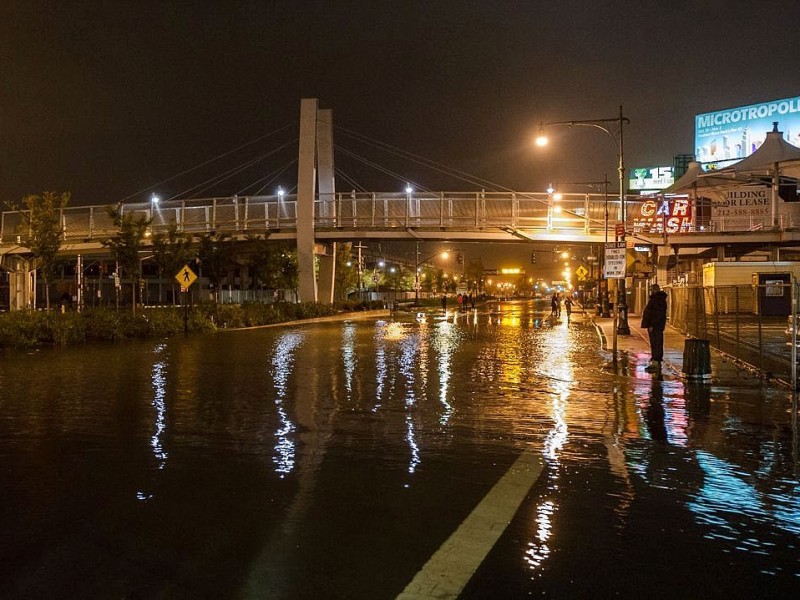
(754, 323)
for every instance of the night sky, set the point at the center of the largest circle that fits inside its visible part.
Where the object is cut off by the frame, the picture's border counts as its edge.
(110, 99)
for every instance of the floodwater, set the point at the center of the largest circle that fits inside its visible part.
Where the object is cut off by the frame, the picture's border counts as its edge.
(333, 460)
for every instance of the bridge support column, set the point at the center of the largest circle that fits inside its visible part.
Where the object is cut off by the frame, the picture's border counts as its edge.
(327, 204)
(315, 163)
(306, 192)
(21, 283)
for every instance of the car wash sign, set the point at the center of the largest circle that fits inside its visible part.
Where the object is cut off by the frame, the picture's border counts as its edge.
(673, 215)
(724, 137)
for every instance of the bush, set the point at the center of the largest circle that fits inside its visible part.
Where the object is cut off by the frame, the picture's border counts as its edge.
(29, 329)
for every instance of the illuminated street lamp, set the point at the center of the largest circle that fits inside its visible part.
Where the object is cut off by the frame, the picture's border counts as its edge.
(417, 264)
(281, 193)
(603, 125)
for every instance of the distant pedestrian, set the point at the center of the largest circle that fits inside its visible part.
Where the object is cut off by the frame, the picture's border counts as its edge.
(460, 300)
(568, 305)
(555, 305)
(472, 301)
(444, 302)
(654, 319)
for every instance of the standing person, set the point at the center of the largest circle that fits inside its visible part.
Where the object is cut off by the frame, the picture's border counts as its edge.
(654, 318)
(444, 302)
(568, 305)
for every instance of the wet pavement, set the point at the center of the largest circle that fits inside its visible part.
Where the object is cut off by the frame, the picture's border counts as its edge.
(497, 453)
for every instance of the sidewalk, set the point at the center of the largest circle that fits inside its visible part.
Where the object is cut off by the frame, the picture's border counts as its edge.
(637, 344)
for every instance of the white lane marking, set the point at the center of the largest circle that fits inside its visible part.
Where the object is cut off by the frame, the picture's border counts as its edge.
(450, 568)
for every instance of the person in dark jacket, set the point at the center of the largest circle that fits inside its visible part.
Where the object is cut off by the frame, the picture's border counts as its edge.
(654, 319)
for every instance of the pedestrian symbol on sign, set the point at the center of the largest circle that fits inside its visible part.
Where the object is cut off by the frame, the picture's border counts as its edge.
(186, 277)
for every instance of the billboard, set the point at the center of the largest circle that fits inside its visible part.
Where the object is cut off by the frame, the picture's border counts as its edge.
(724, 137)
(650, 179)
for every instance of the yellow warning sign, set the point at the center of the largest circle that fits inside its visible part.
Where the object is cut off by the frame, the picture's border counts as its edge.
(581, 272)
(186, 277)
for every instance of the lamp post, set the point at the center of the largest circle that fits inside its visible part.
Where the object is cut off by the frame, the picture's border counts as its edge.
(417, 263)
(621, 305)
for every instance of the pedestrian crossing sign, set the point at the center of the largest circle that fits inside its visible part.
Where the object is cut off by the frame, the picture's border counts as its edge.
(186, 277)
(581, 272)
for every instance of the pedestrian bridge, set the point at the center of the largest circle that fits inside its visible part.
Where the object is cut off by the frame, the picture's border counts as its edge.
(465, 216)
(357, 215)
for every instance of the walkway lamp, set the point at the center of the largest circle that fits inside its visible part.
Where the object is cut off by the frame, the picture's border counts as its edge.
(279, 210)
(605, 125)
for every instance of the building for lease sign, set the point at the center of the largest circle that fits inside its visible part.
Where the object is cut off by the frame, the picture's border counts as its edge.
(615, 260)
(742, 209)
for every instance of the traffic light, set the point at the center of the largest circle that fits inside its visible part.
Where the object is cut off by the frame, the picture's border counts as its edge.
(459, 258)
(533, 258)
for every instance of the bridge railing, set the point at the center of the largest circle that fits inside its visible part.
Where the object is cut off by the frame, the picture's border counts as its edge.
(575, 213)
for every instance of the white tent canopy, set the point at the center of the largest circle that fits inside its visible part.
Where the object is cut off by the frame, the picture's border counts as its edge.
(698, 183)
(774, 150)
(768, 161)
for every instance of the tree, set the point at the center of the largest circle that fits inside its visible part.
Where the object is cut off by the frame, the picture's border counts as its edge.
(42, 215)
(214, 253)
(288, 272)
(170, 252)
(474, 274)
(346, 277)
(125, 246)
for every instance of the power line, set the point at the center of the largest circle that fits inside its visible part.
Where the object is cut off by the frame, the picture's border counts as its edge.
(209, 161)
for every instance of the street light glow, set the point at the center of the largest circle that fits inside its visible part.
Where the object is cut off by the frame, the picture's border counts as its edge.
(541, 139)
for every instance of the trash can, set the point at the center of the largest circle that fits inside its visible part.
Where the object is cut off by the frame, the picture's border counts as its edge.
(696, 359)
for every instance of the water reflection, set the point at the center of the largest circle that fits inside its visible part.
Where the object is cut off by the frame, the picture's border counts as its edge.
(557, 368)
(407, 365)
(159, 381)
(283, 358)
(633, 463)
(447, 341)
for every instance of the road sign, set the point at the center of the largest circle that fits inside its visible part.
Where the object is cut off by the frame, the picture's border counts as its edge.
(186, 277)
(581, 273)
(615, 260)
(619, 230)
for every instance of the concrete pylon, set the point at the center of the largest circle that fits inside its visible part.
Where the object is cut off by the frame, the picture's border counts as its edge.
(306, 192)
(21, 282)
(315, 163)
(327, 201)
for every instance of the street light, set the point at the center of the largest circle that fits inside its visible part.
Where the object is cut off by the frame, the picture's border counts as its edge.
(417, 263)
(603, 125)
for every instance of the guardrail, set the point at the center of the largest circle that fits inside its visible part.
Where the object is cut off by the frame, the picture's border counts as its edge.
(573, 213)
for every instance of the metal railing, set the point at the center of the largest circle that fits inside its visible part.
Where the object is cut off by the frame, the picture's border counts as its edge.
(573, 213)
(756, 324)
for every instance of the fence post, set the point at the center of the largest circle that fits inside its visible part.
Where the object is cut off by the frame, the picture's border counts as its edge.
(794, 334)
(760, 332)
(716, 316)
(738, 350)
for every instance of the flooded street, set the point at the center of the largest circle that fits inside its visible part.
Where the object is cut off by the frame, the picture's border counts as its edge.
(333, 460)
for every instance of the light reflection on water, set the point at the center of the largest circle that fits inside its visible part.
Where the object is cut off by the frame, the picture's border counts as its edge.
(350, 412)
(282, 367)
